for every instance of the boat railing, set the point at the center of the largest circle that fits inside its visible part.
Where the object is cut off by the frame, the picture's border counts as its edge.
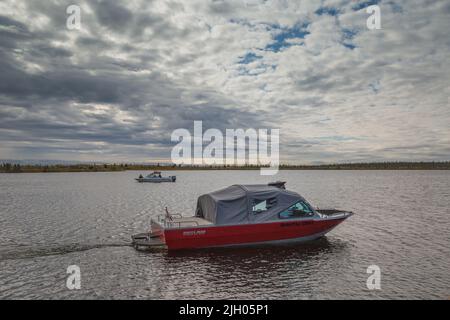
(333, 213)
(172, 222)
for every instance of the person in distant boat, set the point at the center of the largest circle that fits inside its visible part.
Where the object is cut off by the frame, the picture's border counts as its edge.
(160, 175)
(141, 177)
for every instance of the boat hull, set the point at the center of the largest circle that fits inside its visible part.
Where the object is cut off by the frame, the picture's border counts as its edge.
(155, 180)
(248, 234)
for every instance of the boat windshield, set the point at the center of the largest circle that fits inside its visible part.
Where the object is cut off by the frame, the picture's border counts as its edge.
(298, 210)
(154, 175)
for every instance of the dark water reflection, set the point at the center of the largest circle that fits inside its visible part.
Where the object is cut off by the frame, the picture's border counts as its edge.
(51, 221)
(253, 272)
(274, 267)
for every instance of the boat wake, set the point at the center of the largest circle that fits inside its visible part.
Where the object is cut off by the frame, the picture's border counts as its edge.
(28, 251)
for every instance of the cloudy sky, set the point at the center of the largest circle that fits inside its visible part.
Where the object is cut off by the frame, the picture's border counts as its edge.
(136, 70)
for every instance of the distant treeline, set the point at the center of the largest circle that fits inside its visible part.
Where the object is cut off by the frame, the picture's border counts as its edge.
(445, 165)
(17, 168)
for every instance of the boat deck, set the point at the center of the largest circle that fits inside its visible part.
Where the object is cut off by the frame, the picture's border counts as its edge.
(186, 222)
(146, 240)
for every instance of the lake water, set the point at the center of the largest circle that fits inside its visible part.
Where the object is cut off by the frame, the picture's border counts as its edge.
(53, 220)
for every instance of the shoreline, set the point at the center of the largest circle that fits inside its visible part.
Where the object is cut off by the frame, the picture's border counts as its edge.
(78, 168)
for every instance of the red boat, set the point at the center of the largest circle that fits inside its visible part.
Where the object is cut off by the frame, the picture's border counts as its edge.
(242, 215)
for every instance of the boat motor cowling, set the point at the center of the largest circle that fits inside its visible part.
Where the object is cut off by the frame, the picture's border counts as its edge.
(278, 184)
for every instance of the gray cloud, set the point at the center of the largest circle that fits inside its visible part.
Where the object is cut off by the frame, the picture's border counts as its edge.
(117, 88)
(112, 15)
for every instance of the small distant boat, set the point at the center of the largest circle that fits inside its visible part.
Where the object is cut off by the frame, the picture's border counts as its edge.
(242, 215)
(156, 177)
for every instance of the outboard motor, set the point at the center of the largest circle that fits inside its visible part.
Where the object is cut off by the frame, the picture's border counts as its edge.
(278, 184)
(174, 178)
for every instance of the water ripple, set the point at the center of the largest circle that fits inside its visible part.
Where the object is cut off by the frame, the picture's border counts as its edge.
(51, 221)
